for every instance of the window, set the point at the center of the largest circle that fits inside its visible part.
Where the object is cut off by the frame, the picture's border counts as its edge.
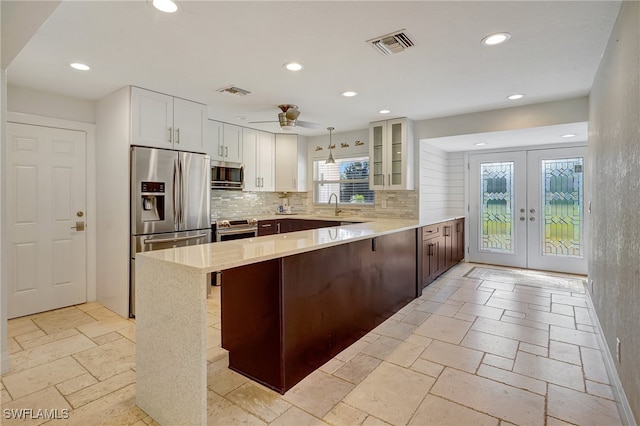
(348, 178)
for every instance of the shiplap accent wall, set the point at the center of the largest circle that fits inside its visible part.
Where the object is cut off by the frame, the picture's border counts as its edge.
(455, 179)
(433, 182)
(441, 183)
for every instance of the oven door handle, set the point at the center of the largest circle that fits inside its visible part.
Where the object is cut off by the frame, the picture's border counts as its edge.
(237, 231)
(171, 240)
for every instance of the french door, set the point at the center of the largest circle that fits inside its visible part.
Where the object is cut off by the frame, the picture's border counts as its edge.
(526, 209)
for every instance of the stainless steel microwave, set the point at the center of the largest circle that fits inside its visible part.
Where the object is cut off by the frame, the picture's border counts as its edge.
(227, 175)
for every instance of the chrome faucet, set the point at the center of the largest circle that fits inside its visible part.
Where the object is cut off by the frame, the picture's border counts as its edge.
(333, 194)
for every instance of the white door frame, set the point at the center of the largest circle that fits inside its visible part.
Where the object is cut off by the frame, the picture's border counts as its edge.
(90, 130)
(467, 197)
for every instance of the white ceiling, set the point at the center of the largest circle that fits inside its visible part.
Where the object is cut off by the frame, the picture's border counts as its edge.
(553, 54)
(534, 136)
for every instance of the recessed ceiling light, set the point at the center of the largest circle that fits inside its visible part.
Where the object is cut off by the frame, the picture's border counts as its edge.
(569, 135)
(515, 96)
(80, 67)
(167, 6)
(293, 66)
(497, 38)
(349, 94)
(384, 111)
(480, 143)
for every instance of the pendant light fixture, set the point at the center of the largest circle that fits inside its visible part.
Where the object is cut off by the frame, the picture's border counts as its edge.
(330, 160)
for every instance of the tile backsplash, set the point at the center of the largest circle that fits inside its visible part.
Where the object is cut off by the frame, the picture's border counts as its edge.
(240, 204)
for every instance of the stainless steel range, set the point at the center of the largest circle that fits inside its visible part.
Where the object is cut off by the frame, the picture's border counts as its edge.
(235, 229)
(232, 229)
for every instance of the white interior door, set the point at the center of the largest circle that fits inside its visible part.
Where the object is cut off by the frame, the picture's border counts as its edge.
(46, 215)
(497, 201)
(526, 209)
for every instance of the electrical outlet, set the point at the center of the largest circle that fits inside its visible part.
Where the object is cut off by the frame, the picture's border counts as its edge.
(618, 348)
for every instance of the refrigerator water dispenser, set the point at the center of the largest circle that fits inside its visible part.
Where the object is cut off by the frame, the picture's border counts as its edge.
(152, 198)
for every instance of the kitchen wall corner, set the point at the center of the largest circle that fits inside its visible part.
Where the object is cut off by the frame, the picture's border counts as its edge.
(5, 362)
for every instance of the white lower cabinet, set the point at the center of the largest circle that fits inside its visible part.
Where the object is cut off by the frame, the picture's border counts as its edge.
(291, 163)
(258, 152)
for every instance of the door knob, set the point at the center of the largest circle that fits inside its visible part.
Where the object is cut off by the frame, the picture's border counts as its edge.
(80, 214)
(79, 226)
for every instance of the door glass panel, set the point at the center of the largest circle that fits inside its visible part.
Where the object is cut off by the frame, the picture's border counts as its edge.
(378, 172)
(396, 154)
(497, 209)
(562, 219)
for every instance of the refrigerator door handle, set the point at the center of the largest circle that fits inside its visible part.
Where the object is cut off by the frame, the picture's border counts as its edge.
(175, 194)
(181, 193)
(171, 240)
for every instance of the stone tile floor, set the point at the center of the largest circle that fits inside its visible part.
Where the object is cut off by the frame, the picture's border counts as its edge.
(483, 346)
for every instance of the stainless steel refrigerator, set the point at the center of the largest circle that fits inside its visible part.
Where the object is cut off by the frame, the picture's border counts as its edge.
(170, 202)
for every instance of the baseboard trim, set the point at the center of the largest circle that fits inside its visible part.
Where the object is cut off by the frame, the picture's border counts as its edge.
(622, 401)
(5, 363)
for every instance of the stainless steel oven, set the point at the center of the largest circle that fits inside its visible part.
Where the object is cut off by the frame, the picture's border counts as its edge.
(227, 230)
(232, 229)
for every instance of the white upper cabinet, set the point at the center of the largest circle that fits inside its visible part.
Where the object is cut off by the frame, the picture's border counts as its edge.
(232, 147)
(291, 163)
(163, 121)
(190, 125)
(391, 155)
(151, 118)
(258, 150)
(224, 142)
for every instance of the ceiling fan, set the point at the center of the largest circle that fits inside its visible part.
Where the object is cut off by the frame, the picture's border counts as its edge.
(288, 118)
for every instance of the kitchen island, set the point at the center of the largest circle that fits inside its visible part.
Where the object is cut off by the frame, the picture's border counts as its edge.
(289, 303)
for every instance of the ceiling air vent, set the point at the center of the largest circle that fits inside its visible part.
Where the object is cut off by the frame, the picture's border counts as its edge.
(234, 91)
(392, 43)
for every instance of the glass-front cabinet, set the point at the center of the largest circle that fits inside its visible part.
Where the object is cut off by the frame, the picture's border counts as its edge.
(391, 154)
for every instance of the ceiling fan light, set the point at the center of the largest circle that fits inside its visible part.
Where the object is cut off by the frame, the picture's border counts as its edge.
(285, 123)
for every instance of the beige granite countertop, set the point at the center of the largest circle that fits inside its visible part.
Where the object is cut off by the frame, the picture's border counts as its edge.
(229, 254)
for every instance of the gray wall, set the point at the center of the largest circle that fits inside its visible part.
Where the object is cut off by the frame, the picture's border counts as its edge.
(29, 101)
(614, 155)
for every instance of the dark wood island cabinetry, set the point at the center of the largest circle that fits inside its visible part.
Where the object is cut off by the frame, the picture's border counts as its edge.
(442, 247)
(284, 318)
